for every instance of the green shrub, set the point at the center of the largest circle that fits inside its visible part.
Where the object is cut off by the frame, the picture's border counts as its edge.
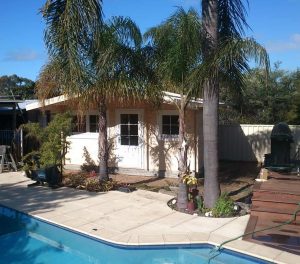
(92, 185)
(223, 207)
(89, 164)
(200, 203)
(51, 140)
(75, 181)
(108, 185)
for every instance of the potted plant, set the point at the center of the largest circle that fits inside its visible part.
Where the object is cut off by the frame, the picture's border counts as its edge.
(191, 182)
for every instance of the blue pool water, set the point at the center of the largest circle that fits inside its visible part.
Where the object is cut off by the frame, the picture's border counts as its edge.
(27, 240)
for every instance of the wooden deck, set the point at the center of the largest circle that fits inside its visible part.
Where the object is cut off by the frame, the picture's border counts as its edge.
(273, 203)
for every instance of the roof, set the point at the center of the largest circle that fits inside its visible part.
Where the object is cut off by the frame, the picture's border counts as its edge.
(8, 104)
(173, 97)
(168, 98)
(51, 101)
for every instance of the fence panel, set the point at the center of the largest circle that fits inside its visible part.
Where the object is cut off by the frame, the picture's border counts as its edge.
(250, 142)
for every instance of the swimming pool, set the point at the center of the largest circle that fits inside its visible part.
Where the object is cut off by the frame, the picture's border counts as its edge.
(27, 240)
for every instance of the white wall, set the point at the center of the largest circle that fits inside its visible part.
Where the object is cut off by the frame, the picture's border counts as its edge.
(249, 142)
(77, 144)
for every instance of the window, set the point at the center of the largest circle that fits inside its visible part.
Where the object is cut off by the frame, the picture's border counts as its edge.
(78, 124)
(170, 125)
(129, 129)
(94, 120)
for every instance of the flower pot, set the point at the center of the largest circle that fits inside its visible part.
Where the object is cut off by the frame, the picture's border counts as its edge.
(191, 206)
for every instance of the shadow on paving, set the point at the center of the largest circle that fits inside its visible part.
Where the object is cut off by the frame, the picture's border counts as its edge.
(39, 198)
(286, 243)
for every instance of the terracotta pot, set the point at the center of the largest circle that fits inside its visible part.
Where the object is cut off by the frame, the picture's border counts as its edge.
(191, 206)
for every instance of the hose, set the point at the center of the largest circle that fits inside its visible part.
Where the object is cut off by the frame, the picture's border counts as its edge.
(218, 248)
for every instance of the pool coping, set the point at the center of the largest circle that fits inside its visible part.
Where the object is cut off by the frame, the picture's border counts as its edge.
(239, 246)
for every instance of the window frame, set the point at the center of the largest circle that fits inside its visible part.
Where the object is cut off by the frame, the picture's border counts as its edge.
(168, 137)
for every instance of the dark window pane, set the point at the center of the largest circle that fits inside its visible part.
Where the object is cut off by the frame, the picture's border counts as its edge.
(93, 128)
(166, 119)
(78, 124)
(93, 119)
(133, 130)
(124, 140)
(133, 119)
(166, 129)
(124, 119)
(134, 141)
(174, 130)
(174, 119)
(124, 130)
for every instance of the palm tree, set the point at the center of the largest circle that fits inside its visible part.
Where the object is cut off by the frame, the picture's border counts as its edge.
(94, 62)
(225, 55)
(177, 55)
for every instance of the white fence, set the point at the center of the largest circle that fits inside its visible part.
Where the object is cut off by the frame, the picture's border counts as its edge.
(250, 142)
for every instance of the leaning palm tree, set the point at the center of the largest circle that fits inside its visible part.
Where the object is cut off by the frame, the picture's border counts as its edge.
(118, 71)
(94, 62)
(225, 55)
(177, 55)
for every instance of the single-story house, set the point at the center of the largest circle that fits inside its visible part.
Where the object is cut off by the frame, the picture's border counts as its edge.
(143, 138)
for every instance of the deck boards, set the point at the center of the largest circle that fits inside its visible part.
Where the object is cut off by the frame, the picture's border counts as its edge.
(274, 203)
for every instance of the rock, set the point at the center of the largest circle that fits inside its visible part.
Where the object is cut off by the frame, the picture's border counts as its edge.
(243, 212)
(243, 206)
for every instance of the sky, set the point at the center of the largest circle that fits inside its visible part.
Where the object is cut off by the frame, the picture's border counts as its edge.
(274, 23)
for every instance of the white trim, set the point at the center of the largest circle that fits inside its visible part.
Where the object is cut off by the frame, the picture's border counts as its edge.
(50, 101)
(175, 97)
(140, 112)
(168, 97)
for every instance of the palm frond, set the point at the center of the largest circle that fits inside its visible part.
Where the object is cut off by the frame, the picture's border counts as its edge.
(232, 18)
(69, 27)
(177, 48)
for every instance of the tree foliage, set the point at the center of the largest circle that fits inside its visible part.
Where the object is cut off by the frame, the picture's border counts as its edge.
(264, 100)
(14, 85)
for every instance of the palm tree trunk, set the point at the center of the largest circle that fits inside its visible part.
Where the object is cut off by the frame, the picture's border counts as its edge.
(210, 134)
(182, 144)
(103, 141)
(210, 106)
(182, 196)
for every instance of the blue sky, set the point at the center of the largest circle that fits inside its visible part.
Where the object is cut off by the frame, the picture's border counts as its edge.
(275, 24)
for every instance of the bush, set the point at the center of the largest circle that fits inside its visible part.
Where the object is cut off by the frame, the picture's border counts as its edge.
(89, 164)
(108, 185)
(224, 206)
(75, 181)
(92, 184)
(51, 140)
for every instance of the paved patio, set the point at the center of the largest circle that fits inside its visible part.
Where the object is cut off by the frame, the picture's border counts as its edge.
(138, 218)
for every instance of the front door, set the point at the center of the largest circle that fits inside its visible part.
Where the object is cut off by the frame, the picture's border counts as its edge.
(129, 147)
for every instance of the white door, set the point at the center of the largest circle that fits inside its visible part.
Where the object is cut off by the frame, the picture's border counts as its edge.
(129, 139)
